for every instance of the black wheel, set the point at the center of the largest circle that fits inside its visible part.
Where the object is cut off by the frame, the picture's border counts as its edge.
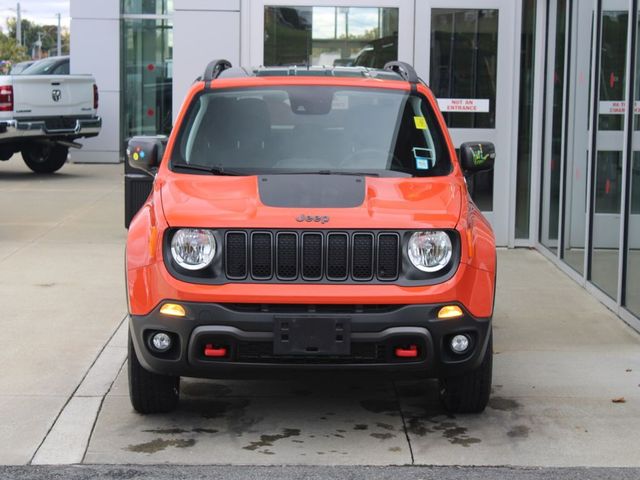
(148, 391)
(45, 157)
(469, 393)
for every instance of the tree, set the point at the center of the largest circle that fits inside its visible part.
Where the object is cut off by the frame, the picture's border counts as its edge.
(11, 51)
(48, 35)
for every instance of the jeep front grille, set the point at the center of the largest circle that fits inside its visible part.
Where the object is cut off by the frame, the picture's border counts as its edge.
(322, 256)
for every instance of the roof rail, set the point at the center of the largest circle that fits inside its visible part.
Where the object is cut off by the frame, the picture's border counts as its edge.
(215, 68)
(403, 69)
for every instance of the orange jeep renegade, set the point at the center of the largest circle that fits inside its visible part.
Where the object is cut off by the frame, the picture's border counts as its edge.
(306, 219)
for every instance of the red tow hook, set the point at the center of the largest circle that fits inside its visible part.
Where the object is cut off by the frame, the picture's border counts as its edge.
(212, 351)
(410, 351)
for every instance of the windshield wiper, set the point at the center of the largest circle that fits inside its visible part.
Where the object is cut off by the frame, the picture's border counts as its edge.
(334, 172)
(215, 170)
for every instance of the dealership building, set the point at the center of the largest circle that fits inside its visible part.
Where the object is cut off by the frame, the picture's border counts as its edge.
(555, 84)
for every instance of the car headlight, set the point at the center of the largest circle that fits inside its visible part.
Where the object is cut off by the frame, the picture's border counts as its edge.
(430, 250)
(193, 248)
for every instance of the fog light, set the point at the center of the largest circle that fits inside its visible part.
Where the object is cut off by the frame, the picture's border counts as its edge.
(161, 342)
(173, 309)
(450, 311)
(460, 344)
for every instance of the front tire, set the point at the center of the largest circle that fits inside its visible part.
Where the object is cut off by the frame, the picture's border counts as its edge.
(45, 157)
(469, 393)
(148, 391)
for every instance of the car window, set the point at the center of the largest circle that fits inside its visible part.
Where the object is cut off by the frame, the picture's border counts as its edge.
(20, 67)
(42, 67)
(304, 129)
(61, 69)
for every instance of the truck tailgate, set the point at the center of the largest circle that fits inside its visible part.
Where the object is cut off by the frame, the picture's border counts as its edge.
(52, 95)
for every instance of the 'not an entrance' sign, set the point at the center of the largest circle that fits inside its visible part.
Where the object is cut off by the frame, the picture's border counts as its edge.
(464, 105)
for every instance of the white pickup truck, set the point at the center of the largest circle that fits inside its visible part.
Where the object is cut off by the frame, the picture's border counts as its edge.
(42, 116)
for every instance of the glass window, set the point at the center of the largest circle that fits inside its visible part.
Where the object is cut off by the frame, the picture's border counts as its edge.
(612, 69)
(632, 290)
(308, 129)
(148, 7)
(553, 156)
(340, 36)
(578, 130)
(62, 69)
(147, 77)
(527, 76)
(464, 62)
(609, 141)
(48, 66)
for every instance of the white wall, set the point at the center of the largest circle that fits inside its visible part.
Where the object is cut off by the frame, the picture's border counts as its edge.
(203, 30)
(95, 49)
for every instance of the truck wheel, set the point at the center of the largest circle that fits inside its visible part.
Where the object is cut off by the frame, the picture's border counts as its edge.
(469, 393)
(45, 158)
(148, 391)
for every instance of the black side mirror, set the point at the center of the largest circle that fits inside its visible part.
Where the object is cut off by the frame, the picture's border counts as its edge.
(477, 156)
(145, 153)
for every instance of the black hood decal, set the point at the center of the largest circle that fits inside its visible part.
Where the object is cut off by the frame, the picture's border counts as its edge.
(313, 191)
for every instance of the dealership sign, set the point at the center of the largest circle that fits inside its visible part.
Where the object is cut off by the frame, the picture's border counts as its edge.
(466, 105)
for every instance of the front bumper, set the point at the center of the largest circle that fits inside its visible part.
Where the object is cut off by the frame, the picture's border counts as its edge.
(12, 130)
(249, 332)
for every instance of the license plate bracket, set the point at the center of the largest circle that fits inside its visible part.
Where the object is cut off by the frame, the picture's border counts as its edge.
(311, 336)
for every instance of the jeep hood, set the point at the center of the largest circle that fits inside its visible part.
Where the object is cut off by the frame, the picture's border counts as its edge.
(301, 201)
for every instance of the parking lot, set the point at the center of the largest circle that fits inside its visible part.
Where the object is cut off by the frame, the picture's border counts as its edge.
(566, 379)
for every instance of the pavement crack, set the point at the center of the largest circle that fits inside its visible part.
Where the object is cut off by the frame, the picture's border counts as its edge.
(404, 423)
(95, 420)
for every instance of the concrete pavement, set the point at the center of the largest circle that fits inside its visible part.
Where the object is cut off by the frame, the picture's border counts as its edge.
(61, 291)
(561, 360)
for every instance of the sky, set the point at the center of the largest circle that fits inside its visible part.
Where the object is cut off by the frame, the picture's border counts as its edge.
(38, 11)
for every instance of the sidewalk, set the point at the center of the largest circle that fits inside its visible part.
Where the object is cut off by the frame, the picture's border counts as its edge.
(61, 290)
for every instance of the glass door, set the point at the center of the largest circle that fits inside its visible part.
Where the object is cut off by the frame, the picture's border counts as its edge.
(467, 56)
(632, 287)
(578, 127)
(610, 140)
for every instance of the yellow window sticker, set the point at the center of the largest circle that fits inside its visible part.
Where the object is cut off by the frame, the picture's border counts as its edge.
(421, 123)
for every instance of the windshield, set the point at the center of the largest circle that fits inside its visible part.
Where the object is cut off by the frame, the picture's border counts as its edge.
(298, 129)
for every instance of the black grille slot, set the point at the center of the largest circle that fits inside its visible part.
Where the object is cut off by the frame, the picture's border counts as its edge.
(236, 255)
(312, 256)
(287, 256)
(388, 256)
(362, 256)
(261, 255)
(337, 256)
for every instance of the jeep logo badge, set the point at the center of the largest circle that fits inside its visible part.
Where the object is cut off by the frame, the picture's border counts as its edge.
(56, 94)
(311, 218)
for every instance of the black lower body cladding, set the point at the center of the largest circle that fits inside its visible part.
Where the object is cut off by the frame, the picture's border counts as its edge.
(406, 341)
